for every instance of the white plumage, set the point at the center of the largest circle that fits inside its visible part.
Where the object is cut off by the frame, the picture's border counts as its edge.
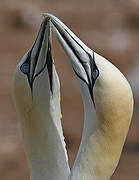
(105, 92)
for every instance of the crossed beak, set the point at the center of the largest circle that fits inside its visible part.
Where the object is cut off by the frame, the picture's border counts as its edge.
(80, 56)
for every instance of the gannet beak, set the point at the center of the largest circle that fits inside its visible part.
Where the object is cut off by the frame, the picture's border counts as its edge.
(39, 56)
(81, 57)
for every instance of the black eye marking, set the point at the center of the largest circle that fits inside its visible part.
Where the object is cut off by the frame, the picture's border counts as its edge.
(25, 68)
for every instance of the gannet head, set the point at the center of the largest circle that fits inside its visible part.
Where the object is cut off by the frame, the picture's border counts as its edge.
(105, 82)
(108, 89)
(90, 68)
(35, 78)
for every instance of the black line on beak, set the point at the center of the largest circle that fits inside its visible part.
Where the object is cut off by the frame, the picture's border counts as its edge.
(37, 53)
(28, 61)
(26, 66)
(92, 79)
(49, 64)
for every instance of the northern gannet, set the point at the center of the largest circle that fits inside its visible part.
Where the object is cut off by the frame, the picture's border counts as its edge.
(36, 93)
(105, 92)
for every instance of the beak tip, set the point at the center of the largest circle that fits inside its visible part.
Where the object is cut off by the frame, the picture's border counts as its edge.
(46, 16)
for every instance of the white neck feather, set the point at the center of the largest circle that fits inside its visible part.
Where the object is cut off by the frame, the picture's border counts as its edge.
(41, 128)
(44, 149)
(83, 168)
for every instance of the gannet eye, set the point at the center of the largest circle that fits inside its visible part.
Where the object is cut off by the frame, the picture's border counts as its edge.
(95, 73)
(25, 68)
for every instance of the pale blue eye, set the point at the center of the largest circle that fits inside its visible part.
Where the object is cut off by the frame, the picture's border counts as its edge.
(95, 73)
(25, 68)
